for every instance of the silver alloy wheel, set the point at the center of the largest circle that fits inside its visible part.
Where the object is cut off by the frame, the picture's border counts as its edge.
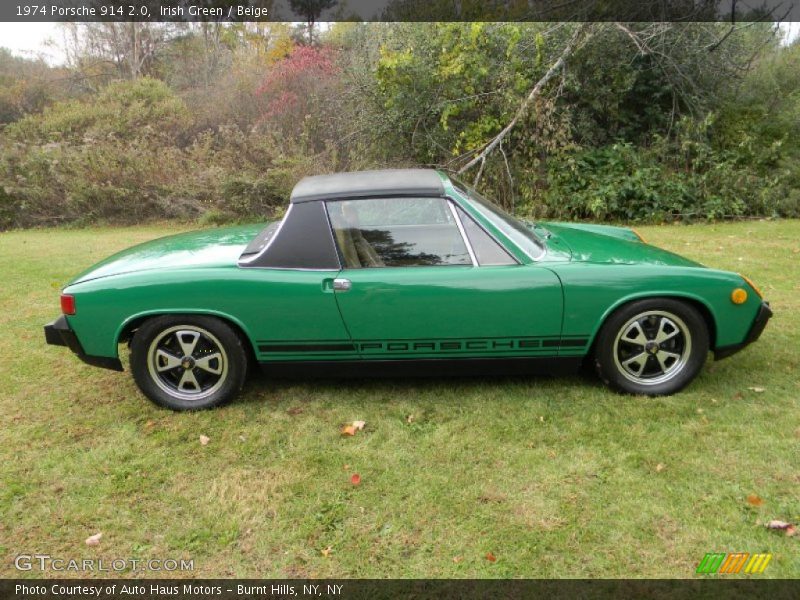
(187, 362)
(652, 347)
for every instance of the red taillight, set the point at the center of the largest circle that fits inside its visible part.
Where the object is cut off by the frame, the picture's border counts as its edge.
(67, 304)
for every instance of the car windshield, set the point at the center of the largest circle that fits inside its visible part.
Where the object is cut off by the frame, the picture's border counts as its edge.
(516, 230)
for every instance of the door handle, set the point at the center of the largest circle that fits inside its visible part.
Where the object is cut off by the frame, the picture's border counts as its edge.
(342, 285)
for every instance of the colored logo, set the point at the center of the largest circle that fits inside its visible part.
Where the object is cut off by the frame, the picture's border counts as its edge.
(733, 563)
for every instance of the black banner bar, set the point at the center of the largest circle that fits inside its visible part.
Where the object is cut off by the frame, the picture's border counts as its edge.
(370, 589)
(401, 10)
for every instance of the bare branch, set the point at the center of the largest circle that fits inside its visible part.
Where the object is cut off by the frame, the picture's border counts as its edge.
(535, 91)
(638, 42)
(510, 178)
(480, 172)
(717, 44)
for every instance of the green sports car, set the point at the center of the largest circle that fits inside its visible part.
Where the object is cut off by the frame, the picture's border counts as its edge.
(402, 271)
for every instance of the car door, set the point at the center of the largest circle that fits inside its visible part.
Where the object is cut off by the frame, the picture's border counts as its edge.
(285, 290)
(413, 286)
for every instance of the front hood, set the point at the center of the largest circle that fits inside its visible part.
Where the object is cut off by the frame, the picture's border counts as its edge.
(611, 245)
(207, 248)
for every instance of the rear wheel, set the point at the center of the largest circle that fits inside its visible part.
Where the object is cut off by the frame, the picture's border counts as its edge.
(654, 347)
(188, 362)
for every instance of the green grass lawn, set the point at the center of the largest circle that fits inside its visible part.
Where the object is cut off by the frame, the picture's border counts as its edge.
(554, 477)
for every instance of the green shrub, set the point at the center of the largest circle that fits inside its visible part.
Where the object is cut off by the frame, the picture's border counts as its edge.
(9, 208)
(124, 110)
(243, 196)
(126, 157)
(627, 183)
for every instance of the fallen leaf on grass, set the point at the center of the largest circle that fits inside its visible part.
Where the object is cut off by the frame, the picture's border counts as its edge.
(491, 557)
(355, 479)
(775, 524)
(458, 559)
(754, 500)
(326, 552)
(353, 427)
(94, 540)
(756, 389)
(204, 439)
(788, 528)
(409, 418)
(660, 467)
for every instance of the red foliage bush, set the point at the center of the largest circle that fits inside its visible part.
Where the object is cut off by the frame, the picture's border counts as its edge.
(295, 84)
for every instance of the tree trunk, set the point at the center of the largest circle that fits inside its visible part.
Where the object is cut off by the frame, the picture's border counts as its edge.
(135, 50)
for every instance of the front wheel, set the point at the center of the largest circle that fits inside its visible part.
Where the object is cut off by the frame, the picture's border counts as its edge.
(654, 347)
(188, 362)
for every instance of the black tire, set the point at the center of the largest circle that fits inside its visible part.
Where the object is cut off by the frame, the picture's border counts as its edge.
(664, 340)
(188, 362)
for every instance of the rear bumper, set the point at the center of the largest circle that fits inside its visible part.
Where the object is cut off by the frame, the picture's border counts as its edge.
(759, 323)
(59, 333)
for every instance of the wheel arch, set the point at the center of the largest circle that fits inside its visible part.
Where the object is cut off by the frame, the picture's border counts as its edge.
(695, 301)
(128, 328)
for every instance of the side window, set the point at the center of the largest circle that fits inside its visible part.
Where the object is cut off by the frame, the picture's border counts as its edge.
(487, 251)
(397, 232)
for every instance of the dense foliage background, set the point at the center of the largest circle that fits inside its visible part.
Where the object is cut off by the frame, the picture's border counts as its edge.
(646, 122)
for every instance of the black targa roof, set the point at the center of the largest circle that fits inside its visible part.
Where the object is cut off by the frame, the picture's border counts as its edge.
(363, 184)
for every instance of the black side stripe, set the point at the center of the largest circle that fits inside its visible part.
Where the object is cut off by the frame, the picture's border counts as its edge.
(307, 348)
(418, 346)
(565, 343)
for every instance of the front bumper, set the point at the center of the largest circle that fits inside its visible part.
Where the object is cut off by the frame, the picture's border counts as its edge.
(759, 323)
(59, 333)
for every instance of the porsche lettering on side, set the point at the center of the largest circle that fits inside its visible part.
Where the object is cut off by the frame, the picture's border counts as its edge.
(402, 271)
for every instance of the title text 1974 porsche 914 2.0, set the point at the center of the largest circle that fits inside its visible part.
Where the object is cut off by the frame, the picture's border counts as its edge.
(402, 271)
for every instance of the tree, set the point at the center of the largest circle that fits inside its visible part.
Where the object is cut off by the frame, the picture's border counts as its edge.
(103, 51)
(581, 35)
(311, 10)
(464, 95)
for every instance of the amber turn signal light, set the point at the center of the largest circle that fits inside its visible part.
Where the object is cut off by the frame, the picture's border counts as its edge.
(738, 296)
